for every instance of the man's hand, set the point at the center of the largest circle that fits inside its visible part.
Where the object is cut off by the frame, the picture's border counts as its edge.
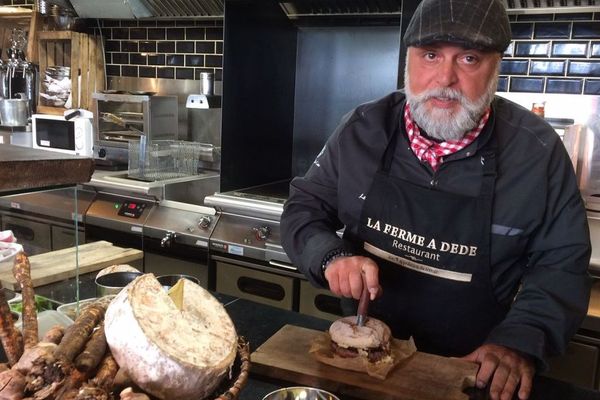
(347, 274)
(506, 368)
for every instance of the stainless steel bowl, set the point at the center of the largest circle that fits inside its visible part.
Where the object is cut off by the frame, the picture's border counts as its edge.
(114, 282)
(300, 393)
(168, 281)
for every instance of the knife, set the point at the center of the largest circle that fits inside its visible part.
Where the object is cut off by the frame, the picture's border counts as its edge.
(363, 306)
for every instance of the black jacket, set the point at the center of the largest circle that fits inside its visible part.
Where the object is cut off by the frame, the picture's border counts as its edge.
(540, 239)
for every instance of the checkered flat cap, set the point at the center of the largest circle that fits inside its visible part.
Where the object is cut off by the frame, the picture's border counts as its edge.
(478, 24)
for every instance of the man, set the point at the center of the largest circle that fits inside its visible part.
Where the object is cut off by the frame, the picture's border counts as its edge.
(461, 210)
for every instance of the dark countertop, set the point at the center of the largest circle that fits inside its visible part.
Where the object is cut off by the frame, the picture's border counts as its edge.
(24, 169)
(258, 322)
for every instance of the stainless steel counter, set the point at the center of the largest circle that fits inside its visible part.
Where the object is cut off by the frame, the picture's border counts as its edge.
(188, 189)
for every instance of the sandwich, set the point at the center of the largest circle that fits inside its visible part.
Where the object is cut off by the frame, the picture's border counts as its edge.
(372, 341)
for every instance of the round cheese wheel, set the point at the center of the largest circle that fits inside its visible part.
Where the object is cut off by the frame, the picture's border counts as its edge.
(171, 352)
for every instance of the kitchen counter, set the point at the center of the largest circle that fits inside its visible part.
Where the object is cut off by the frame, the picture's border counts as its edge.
(24, 169)
(258, 322)
(191, 189)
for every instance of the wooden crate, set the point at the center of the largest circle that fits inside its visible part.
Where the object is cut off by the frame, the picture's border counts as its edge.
(83, 54)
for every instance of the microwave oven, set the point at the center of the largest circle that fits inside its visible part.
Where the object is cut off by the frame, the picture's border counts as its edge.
(71, 135)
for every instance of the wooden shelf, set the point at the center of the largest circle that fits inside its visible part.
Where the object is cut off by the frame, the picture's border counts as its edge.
(25, 169)
(83, 54)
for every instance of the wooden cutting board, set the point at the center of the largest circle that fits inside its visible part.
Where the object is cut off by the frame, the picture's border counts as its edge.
(421, 377)
(58, 265)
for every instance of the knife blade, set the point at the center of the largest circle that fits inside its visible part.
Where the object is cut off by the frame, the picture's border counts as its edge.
(363, 306)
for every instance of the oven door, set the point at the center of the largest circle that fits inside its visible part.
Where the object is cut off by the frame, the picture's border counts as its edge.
(53, 134)
(274, 283)
(176, 258)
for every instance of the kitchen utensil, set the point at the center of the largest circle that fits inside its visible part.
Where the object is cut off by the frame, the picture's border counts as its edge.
(207, 83)
(14, 112)
(168, 281)
(363, 306)
(113, 283)
(300, 393)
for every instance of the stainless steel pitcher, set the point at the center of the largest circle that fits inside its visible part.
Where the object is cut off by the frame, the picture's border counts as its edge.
(14, 112)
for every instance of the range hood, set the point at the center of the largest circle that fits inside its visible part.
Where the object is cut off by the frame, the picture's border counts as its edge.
(550, 6)
(127, 9)
(300, 8)
(297, 9)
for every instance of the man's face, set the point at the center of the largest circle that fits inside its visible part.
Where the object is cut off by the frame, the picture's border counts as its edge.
(449, 87)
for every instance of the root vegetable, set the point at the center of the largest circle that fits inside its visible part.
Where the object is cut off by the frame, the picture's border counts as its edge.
(77, 334)
(93, 352)
(88, 392)
(54, 334)
(12, 385)
(22, 273)
(106, 372)
(46, 376)
(121, 380)
(11, 339)
(71, 386)
(42, 351)
(129, 394)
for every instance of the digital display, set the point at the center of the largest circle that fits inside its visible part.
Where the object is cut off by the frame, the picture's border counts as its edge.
(131, 209)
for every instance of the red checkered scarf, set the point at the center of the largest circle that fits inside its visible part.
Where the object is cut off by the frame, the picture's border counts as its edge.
(433, 152)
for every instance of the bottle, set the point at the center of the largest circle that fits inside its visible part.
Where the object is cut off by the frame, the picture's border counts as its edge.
(538, 108)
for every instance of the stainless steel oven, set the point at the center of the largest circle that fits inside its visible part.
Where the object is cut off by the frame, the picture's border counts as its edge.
(122, 117)
(173, 236)
(246, 252)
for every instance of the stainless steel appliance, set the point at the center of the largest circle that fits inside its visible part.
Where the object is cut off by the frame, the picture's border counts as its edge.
(17, 83)
(174, 236)
(121, 117)
(245, 248)
(44, 221)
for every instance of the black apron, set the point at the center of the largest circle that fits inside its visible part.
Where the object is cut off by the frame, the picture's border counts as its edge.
(433, 251)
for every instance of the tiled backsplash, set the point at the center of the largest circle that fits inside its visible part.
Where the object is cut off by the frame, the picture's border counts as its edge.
(27, 3)
(553, 53)
(163, 49)
(550, 53)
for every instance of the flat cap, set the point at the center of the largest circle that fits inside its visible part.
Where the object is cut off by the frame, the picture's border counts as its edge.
(478, 24)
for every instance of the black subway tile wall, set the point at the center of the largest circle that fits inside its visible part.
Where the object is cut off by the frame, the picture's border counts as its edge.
(553, 53)
(550, 53)
(163, 49)
(20, 3)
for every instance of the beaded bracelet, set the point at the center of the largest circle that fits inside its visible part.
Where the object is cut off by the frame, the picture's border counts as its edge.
(332, 255)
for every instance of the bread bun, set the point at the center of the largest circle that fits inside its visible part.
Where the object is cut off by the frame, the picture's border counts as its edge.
(116, 268)
(374, 333)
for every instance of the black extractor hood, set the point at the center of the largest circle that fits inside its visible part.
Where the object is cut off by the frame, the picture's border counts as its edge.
(125, 9)
(550, 6)
(303, 8)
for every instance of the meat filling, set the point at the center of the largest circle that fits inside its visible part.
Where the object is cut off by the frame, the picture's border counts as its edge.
(374, 354)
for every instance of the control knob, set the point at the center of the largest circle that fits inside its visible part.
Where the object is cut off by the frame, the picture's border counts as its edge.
(262, 233)
(204, 222)
(168, 239)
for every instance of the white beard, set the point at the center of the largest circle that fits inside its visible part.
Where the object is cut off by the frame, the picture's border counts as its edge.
(445, 124)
